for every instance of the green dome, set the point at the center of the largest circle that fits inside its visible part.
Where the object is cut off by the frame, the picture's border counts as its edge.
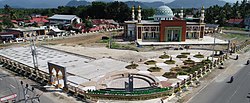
(164, 11)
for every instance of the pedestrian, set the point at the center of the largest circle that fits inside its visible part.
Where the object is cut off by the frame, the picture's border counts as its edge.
(247, 62)
(232, 78)
(237, 57)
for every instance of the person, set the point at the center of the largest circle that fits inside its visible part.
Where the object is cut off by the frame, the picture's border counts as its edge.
(247, 62)
(232, 78)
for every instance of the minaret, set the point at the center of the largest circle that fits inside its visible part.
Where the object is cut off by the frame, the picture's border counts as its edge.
(133, 13)
(202, 18)
(181, 14)
(139, 14)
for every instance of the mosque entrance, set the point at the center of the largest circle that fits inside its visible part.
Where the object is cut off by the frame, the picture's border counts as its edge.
(173, 34)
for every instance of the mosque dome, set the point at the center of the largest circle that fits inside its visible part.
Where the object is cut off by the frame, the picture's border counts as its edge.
(163, 13)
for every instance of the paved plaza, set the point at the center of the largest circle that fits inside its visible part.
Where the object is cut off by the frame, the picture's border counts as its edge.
(207, 40)
(80, 70)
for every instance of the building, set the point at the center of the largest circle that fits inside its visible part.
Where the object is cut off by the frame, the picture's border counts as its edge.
(164, 27)
(8, 36)
(247, 23)
(235, 22)
(64, 19)
(28, 31)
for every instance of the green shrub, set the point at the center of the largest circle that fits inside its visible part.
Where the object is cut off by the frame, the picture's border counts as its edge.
(206, 61)
(150, 62)
(185, 53)
(154, 69)
(169, 75)
(189, 61)
(199, 56)
(181, 56)
(182, 73)
(175, 69)
(132, 66)
(164, 56)
(169, 62)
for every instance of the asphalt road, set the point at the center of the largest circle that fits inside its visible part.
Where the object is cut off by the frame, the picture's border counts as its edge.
(10, 85)
(222, 92)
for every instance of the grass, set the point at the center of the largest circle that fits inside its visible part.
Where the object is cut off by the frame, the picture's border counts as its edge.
(123, 47)
(185, 53)
(170, 75)
(132, 66)
(189, 61)
(150, 62)
(181, 56)
(154, 69)
(164, 56)
(199, 56)
(169, 62)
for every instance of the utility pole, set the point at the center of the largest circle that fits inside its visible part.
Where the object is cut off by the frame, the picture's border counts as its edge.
(34, 54)
(213, 49)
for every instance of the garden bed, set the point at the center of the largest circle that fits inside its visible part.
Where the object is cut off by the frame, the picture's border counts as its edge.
(181, 56)
(169, 62)
(132, 66)
(164, 56)
(170, 75)
(150, 62)
(154, 69)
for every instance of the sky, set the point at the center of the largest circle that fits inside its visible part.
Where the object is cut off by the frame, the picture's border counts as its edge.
(167, 1)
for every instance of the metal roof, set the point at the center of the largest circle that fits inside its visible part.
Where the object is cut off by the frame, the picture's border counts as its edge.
(63, 17)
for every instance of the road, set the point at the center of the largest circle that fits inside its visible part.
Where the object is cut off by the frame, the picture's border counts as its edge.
(219, 91)
(10, 84)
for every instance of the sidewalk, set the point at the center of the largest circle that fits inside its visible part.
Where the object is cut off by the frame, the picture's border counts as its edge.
(217, 75)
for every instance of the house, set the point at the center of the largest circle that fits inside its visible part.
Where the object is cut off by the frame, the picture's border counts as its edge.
(39, 20)
(64, 19)
(247, 23)
(235, 22)
(8, 36)
(28, 31)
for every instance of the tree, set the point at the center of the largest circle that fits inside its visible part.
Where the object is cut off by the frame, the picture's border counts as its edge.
(7, 23)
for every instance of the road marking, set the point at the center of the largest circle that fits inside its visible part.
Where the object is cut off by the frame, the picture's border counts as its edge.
(12, 86)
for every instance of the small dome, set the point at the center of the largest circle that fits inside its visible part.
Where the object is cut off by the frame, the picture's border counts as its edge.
(164, 11)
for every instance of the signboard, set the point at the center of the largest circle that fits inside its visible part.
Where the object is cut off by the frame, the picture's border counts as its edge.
(9, 97)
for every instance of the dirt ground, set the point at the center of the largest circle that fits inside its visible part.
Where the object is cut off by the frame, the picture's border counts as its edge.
(83, 40)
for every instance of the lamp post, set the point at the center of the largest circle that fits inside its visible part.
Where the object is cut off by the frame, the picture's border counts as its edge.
(34, 54)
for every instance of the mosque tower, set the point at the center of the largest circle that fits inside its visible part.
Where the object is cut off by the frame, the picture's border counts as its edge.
(202, 18)
(139, 14)
(133, 13)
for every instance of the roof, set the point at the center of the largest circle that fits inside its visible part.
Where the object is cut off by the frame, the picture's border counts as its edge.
(212, 25)
(164, 11)
(63, 17)
(235, 21)
(25, 29)
(10, 33)
(38, 20)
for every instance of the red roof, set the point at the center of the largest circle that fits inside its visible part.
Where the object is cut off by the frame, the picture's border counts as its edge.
(13, 21)
(235, 21)
(39, 20)
(98, 21)
(10, 33)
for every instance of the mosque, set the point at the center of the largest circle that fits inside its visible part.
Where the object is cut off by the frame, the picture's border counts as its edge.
(164, 27)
